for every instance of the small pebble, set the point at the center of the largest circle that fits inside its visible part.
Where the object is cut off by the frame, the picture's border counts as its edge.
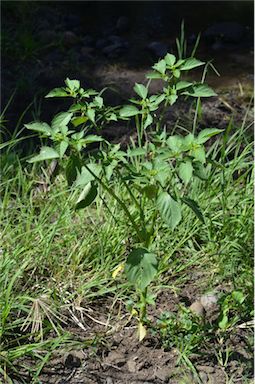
(208, 300)
(197, 308)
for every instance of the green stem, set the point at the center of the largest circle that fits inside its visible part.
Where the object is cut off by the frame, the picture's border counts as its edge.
(199, 98)
(143, 309)
(123, 206)
(132, 196)
(138, 131)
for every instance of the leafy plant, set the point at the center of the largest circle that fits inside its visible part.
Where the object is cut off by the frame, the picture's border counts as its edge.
(232, 309)
(155, 174)
(183, 330)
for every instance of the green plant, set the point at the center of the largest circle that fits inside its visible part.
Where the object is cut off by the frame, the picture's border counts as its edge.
(183, 330)
(155, 174)
(233, 307)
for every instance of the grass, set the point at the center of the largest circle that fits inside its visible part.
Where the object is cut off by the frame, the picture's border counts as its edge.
(54, 260)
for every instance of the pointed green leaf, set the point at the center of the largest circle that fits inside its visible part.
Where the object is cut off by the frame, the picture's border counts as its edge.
(85, 176)
(198, 153)
(190, 64)
(200, 90)
(175, 143)
(182, 84)
(128, 111)
(172, 99)
(148, 121)
(141, 90)
(186, 171)
(157, 99)
(87, 196)
(39, 127)
(61, 120)
(72, 84)
(141, 267)
(93, 139)
(46, 153)
(177, 73)
(79, 120)
(58, 92)
(112, 117)
(63, 147)
(238, 296)
(169, 209)
(153, 75)
(91, 114)
(205, 134)
(223, 323)
(72, 169)
(98, 101)
(160, 67)
(170, 59)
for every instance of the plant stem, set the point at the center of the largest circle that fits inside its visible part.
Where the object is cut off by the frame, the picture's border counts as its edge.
(143, 308)
(123, 206)
(132, 196)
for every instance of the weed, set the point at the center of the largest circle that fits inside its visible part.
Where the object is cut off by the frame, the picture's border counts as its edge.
(153, 181)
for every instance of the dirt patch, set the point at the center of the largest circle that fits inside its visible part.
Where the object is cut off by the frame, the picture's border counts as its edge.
(116, 356)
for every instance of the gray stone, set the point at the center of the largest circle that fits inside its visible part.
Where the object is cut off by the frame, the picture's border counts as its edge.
(203, 377)
(205, 368)
(208, 300)
(163, 374)
(72, 361)
(197, 308)
(131, 364)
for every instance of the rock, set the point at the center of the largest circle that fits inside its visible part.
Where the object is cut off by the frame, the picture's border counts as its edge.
(72, 361)
(109, 380)
(197, 308)
(203, 377)
(123, 24)
(208, 301)
(70, 39)
(205, 368)
(115, 358)
(157, 49)
(131, 364)
(47, 37)
(163, 374)
(229, 32)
